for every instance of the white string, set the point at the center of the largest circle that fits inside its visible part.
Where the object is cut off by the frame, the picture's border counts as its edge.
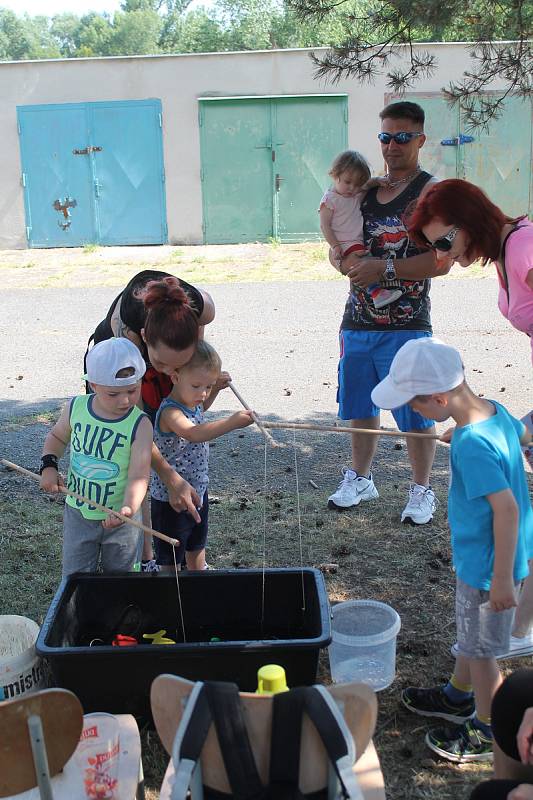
(264, 535)
(179, 594)
(299, 516)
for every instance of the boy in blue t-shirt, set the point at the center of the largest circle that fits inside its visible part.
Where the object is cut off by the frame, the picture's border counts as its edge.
(491, 524)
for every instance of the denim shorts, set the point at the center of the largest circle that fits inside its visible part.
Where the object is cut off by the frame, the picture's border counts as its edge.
(365, 359)
(481, 632)
(179, 525)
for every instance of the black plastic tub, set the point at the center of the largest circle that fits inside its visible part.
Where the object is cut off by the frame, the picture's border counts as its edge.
(227, 637)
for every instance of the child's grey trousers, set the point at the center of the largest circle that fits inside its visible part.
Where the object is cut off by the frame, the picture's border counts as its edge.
(86, 543)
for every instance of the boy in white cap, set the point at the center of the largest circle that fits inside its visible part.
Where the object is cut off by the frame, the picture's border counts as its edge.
(110, 451)
(491, 524)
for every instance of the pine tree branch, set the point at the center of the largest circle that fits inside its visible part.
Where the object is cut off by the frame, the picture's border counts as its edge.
(391, 29)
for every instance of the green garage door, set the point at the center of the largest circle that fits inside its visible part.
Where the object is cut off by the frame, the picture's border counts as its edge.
(265, 165)
(498, 159)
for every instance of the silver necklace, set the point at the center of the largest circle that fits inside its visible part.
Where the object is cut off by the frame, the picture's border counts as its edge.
(393, 184)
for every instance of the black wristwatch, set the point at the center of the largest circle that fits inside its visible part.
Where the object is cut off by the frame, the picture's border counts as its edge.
(389, 273)
(48, 460)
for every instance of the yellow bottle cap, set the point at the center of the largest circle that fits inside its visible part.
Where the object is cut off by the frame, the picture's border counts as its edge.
(271, 679)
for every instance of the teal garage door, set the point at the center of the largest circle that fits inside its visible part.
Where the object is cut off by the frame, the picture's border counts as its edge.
(265, 164)
(93, 173)
(498, 160)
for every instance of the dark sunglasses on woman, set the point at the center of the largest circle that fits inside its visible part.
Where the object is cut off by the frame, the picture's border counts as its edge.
(400, 138)
(443, 243)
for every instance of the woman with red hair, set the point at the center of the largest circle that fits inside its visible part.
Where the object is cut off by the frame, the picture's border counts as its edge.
(460, 224)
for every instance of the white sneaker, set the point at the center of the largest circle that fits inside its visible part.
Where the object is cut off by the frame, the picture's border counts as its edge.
(420, 506)
(519, 647)
(351, 490)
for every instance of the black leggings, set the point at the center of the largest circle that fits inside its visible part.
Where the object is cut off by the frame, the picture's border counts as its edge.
(510, 702)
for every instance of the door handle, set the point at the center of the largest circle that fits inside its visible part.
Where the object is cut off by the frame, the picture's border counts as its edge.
(278, 182)
(456, 140)
(87, 150)
(96, 187)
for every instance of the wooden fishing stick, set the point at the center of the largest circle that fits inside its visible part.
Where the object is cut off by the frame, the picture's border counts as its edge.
(256, 419)
(305, 426)
(145, 528)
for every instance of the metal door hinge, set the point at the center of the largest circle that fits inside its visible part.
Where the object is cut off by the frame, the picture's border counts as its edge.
(24, 179)
(28, 232)
(160, 120)
(202, 174)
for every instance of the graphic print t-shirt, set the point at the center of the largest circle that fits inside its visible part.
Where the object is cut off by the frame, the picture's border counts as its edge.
(99, 456)
(386, 234)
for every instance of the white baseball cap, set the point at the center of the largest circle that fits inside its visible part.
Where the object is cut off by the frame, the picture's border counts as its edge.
(421, 366)
(107, 358)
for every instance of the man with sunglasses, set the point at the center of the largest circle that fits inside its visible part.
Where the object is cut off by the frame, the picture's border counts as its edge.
(370, 337)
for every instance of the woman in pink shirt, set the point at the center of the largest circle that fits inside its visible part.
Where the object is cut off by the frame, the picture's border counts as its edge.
(459, 222)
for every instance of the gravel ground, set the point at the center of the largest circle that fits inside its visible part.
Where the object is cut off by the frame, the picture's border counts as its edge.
(274, 339)
(278, 341)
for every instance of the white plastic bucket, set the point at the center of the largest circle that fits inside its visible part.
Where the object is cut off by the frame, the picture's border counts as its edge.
(20, 668)
(363, 646)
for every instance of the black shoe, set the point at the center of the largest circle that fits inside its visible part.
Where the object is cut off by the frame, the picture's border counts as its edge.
(434, 703)
(460, 743)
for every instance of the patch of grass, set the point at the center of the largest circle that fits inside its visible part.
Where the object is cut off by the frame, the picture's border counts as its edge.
(318, 254)
(249, 263)
(60, 278)
(225, 260)
(257, 519)
(90, 247)
(31, 547)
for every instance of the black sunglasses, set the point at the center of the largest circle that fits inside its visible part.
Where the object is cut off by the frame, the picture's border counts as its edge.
(400, 138)
(443, 243)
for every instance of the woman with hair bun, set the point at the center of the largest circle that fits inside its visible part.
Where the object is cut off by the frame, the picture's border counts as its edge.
(164, 317)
